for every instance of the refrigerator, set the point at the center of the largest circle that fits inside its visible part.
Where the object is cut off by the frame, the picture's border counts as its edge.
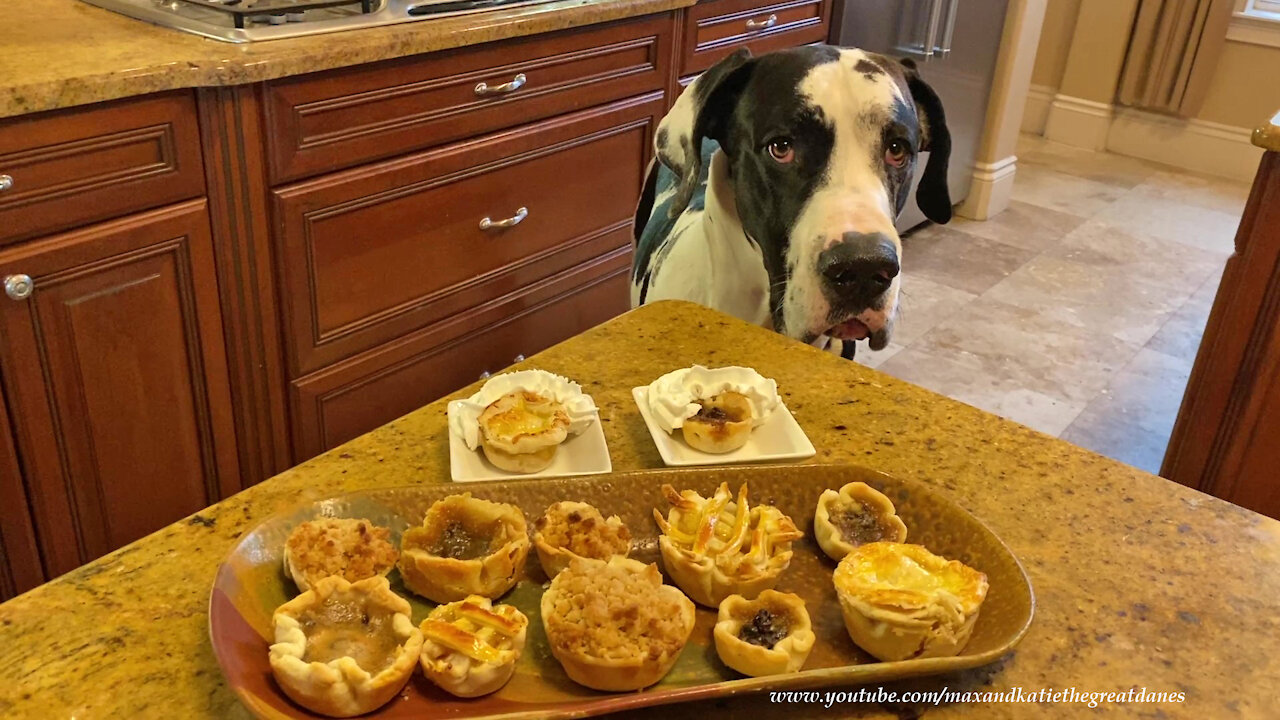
(955, 45)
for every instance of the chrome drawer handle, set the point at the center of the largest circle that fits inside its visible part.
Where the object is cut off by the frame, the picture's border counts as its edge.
(19, 287)
(6, 182)
(762, 24)
(516, 83)
(490, 224)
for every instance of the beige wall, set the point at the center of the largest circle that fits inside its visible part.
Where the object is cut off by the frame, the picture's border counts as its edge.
(1246, 86)
(1055, 41)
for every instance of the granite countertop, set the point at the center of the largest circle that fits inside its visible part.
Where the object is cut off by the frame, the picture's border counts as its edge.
(62, 53)
(1267, 135)
(1140, 583)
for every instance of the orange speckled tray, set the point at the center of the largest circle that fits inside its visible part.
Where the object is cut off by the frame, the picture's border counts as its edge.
(250, 585)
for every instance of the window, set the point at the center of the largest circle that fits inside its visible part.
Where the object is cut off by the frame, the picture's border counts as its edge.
(1256, 21)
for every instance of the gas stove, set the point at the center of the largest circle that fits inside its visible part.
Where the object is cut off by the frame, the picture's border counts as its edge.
(251, 20)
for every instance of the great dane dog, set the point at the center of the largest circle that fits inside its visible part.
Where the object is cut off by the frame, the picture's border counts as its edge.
(777, 184)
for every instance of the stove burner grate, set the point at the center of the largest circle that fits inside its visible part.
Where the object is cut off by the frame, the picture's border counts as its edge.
(241, 10)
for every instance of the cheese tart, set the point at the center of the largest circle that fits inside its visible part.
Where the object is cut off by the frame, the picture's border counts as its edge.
(722, 424)
(901, 601)
(613, 625)
(571, 529)
(520, 432)
(470, 647)
(855, 515)
(465, 546)
(770, 635)
(715, 547)
(343, 649)
(350, 548)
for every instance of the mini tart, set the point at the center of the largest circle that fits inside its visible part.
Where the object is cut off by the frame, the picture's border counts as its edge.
(770, 635)
(855, 515)
(520, 432)
(613, 625)
(465, 546)
(901, 601)
(353, 549)
(722, 425)
(344, 649)
(570, 529)
(715, 547)
(470, 647)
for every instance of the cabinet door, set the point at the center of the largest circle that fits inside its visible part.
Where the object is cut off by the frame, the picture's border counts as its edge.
(116, 377)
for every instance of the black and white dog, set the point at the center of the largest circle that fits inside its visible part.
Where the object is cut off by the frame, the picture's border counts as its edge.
(779, 180)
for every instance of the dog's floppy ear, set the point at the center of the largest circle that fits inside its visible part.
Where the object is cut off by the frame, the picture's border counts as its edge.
(932, 195)
(699, 112)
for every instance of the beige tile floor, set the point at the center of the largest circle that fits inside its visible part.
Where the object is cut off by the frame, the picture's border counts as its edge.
(1077, 311)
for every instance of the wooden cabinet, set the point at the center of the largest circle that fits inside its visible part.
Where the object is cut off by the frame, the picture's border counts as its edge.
(716, 28)
(115, 375)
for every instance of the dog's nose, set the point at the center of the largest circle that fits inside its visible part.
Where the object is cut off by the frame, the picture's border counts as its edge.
(861, 266)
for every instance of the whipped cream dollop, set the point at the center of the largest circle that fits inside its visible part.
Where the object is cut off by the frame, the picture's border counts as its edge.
(674, 397)
(464, 414)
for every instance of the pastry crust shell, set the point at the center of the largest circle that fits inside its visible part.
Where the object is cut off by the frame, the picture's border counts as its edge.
(616, 674)
(611, 534)
(720, 436)
(474, 648)
(901, 601)
(444, 579)
(831, 539)
(507, 442)
(341, 687)
(786, 656)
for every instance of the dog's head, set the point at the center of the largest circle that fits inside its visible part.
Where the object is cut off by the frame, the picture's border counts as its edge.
(822, 144)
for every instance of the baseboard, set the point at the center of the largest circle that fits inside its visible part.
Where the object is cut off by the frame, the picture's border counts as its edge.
(1036, 112)
(991, 189)
(1199, 145)
(1078, 122)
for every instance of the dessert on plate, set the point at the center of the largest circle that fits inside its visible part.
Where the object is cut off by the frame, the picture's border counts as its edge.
(770, 635)
(715, 410)
(715, 547)
(464, 546)
(855, 515)
(901, 601)
(613, 625)
(342, 648)
(519, 420)
(470, 647)
(350, 548)
(571, 529)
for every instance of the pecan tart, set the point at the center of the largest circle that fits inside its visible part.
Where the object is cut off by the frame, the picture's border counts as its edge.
(570, 529)
(470, 647)
(716, 547)
(465, 546)
(521, 431)
(901, 601)
(770, 635)
(613, 625)
(342, 648)
(353, 549)
(855, 515)
(723, 424)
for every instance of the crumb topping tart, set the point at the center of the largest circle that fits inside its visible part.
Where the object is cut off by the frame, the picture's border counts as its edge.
(571, 529)
(353, 549)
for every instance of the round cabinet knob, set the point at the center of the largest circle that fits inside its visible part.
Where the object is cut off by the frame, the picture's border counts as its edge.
(19, 287)
(6, 182)
(485, 375)
(519, 358)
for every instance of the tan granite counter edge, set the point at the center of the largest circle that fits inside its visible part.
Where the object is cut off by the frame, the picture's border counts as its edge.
(82, 54)
(1267, 135)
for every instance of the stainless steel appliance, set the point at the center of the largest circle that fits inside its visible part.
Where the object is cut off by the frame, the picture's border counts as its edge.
(955, 45)
(250, 20)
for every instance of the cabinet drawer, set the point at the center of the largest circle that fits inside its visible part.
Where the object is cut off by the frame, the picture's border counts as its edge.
(371, 254)
(715, 28)
(324, 122)
(70, 168)
(351, 398)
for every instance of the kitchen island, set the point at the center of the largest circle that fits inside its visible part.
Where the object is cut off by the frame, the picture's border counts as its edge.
(1140, 583)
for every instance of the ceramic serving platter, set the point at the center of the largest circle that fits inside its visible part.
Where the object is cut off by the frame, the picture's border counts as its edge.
(778, 439)
(250, 585)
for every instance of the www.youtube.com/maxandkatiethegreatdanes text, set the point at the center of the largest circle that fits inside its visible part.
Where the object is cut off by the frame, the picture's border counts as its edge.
(1093, 699)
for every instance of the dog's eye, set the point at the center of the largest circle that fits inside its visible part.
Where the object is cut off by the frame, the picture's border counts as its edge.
(896, 153)
(780, 149)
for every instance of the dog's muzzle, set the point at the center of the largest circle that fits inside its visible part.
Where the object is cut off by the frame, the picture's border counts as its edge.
(857, 272)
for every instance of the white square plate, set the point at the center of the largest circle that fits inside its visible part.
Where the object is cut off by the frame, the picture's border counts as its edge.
(585, 454)
(779, 438)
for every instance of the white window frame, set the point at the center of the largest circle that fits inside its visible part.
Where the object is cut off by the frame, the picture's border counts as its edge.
(1256, 22)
